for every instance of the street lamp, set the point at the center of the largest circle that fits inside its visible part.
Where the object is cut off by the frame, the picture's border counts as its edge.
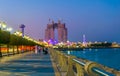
(9, 30)
(2, 26)
(0, 40)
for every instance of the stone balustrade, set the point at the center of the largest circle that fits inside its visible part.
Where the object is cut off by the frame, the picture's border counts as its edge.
(72, 66)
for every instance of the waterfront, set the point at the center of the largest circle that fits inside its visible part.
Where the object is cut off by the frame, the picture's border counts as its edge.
(107, 57)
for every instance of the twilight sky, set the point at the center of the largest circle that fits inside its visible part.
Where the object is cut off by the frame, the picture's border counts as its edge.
(99, 20)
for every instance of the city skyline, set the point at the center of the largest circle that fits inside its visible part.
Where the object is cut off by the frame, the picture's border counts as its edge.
(97, 19)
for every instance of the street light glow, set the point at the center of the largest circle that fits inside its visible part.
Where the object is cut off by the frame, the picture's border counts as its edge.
(0, 25)
(9, 29)
(3, 25)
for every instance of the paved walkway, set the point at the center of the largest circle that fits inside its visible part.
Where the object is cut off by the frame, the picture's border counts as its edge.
(30, 65)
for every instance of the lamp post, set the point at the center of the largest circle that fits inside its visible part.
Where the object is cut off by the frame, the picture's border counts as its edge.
(0, 39)
(2, 26)
(22, 26)
(9, 30)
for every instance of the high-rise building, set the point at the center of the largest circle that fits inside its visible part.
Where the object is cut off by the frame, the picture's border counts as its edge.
(61, 29)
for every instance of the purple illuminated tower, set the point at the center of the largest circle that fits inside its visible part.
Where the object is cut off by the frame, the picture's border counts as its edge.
(22, 26)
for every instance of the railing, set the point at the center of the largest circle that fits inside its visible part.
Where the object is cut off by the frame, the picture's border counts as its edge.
(72, 66)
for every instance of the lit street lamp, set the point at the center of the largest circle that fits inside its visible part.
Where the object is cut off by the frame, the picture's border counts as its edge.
(2, 27)
(9, 30)
(0, 40)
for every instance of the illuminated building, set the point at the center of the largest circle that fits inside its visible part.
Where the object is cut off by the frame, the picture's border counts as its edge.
(61, 29)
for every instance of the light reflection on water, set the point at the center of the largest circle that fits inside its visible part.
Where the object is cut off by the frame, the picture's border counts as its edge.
(108, 57)
(68, 52)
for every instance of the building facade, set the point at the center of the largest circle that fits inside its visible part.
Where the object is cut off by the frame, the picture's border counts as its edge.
(61, 30)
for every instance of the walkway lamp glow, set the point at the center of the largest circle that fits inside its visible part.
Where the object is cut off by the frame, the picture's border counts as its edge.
(0, 25)
(9, 29)
(3, 25)
(0, 39)
(17, 33)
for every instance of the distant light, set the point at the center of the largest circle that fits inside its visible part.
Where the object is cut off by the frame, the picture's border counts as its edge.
(95, 41)
(105, 42)
(68, 41)
(9, 29)
(0, 25)
(44, 41)
(77, 46)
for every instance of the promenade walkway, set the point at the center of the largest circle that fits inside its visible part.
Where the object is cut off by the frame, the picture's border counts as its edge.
(30, 64)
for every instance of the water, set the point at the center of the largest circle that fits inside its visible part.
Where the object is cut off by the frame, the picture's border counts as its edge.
(107, 57)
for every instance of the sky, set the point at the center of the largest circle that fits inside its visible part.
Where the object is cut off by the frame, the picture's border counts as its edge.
(99, 20)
